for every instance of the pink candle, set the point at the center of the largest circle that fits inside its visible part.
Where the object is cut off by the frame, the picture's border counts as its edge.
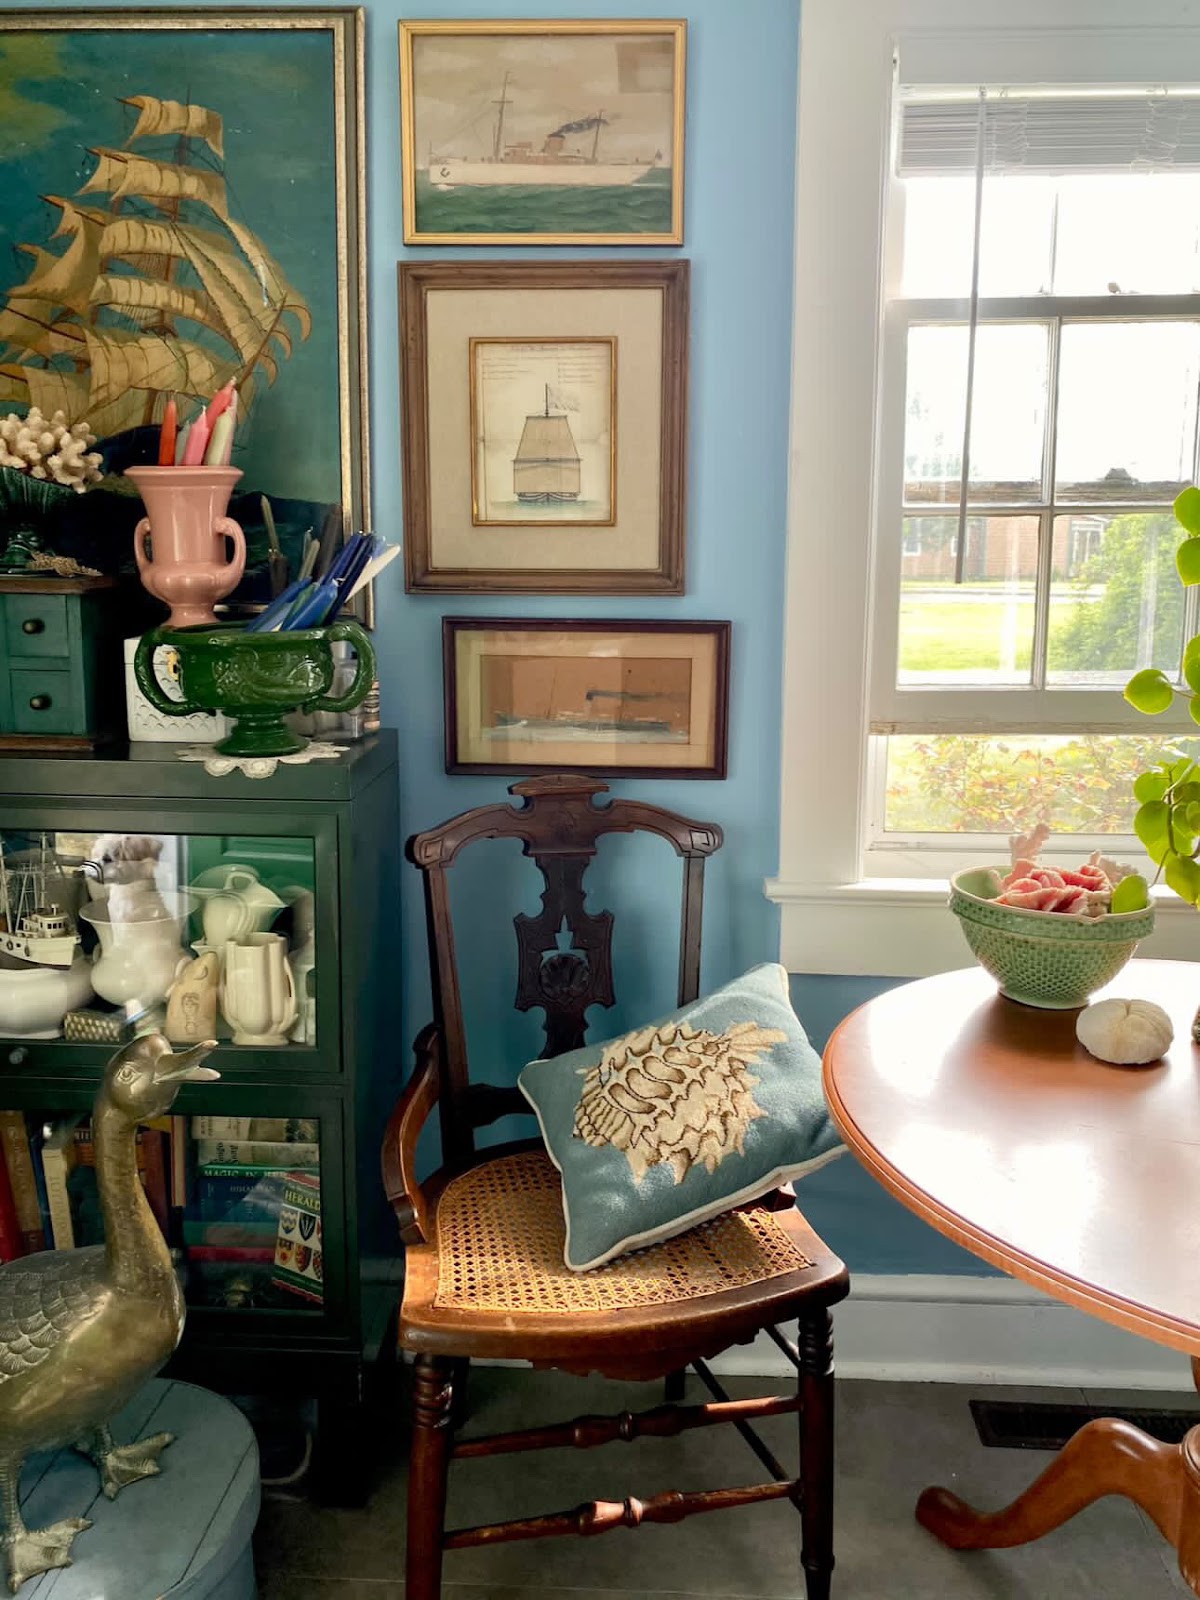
(193, 455)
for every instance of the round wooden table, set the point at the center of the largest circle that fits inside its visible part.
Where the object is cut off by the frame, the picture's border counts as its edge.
(990, 1121)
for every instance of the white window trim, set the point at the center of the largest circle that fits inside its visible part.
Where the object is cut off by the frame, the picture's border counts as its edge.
(834, 919)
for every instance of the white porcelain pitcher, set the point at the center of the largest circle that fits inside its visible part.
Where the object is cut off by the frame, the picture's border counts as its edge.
(258, 991)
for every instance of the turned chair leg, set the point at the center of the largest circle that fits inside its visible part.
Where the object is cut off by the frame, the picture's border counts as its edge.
(816, 1453)
(429, 1465)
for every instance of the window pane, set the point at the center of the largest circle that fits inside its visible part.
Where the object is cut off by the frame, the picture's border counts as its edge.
(1126, 410)
(1016, 226)
(979, 631)
(1132, 233)
(1116, 603)
(1008, 417)
(970, 783)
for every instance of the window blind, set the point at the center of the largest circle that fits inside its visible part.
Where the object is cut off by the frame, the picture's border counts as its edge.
(1053, 134)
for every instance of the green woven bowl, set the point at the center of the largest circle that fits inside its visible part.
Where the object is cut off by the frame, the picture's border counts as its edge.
(1043, 958)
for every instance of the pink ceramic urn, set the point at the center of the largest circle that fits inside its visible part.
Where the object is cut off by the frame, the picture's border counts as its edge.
(187, 564)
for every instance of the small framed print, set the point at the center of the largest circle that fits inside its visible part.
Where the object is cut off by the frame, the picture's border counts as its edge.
(533, 132)
(544, 431)
(545, 418)
(614, 698)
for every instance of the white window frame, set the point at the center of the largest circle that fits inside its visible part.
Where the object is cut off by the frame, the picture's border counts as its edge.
(835, 917)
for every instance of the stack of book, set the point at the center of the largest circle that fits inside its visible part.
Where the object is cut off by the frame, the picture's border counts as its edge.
(240, 1195)
(241, 1211)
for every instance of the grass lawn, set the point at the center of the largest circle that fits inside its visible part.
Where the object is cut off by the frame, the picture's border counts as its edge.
(971, 634)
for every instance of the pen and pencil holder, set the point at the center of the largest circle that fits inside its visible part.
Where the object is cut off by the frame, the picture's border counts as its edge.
(256, 679)
(188, 565)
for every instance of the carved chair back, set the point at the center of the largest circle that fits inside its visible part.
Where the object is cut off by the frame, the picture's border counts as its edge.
(558, 824)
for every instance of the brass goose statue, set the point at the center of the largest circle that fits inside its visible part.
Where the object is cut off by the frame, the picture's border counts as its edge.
(82, 1330)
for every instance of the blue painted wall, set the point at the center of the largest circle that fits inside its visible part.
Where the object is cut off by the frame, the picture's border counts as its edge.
(739, 177)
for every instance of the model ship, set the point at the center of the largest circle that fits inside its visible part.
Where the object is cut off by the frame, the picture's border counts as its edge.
(157, 289)
(554, 163)
(546, 465)
(32, 927)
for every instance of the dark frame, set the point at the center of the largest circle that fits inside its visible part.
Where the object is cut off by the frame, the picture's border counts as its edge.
(720, 632)
(416, 280)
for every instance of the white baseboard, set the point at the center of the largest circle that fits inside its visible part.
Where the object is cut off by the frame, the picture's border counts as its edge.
(975, 1330)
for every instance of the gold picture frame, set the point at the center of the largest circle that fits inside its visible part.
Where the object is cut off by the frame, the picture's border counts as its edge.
(630, 697)
(629, 536)
(486, 157)
(223, 91)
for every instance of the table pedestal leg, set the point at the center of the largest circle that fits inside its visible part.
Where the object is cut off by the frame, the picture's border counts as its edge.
(1105, 1457)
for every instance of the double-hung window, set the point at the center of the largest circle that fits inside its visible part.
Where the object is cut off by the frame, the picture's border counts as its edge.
(1017, 411)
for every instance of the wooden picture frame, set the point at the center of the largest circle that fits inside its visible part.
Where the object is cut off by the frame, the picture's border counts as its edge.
(629, 538)
(205, 169)
(486, 157)
(511, 684)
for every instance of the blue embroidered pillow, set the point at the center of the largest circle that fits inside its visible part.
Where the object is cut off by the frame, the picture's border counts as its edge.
(659, 1130)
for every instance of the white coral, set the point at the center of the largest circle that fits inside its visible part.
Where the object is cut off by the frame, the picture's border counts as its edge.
(50, 449)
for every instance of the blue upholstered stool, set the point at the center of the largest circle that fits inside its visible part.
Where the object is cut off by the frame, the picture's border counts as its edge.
(182, 1536)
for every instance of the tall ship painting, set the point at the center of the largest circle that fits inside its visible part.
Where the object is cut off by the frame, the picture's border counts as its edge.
(155, 289)
(546, 466)
(569, 156)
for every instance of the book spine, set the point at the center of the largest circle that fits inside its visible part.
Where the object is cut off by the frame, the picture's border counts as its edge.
(155, 1177)
(228, 1252)
(15, 1137)
(248, 1174)
(56, 1169)
(256, 1153)
(241, 1235)
(221, 1127)
(11, 1243)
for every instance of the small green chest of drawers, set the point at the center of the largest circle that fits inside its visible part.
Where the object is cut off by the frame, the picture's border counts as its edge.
(62, 681)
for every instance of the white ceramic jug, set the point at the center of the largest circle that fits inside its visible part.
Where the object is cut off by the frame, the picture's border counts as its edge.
(258, 991)
(140, 950)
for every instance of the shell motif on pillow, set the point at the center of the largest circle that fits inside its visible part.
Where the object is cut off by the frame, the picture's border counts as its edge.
(1128, 1033)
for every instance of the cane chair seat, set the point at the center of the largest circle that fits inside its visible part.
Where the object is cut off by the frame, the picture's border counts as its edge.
(496, 1264)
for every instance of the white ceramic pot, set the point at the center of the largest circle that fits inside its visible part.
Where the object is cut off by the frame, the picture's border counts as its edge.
(258, 991)
(34, 1000)
(140, 950)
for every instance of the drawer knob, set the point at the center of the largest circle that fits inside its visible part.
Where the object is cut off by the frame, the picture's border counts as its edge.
(40, 702)
(18, 1057)
(33, 625)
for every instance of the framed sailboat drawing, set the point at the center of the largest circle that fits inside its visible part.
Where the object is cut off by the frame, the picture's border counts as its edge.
(184, 192)
(544, 427)
(566, 132)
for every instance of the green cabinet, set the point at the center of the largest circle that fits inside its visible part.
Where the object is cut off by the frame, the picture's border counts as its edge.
(61, 669)
(272, 1187)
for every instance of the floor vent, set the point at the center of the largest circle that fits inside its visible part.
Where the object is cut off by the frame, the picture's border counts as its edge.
(1022, 1425)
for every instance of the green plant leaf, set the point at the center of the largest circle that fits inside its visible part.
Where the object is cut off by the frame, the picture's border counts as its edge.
(1187, 509)
(1183, 875)
(1187, 561)
(1152, 824)
(1149, 691)
(1151, 786)
(1131, 894)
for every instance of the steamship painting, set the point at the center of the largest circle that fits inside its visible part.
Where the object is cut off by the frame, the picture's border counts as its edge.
(594, 701)
(543, 131)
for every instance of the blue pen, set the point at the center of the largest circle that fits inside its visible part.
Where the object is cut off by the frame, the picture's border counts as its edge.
(271, 617)
(314, 607)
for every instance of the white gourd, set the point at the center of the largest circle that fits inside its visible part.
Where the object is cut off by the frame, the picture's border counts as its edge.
(1126, 1032)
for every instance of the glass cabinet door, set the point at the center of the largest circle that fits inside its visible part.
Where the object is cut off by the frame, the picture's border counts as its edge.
(199, 934)
(237, 1198)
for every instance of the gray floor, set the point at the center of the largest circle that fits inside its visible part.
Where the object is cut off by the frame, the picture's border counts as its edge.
(893, 1440)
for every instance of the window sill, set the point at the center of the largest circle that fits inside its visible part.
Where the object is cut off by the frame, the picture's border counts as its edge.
(900, 928)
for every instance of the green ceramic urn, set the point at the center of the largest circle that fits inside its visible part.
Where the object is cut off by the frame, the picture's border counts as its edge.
(256, 679)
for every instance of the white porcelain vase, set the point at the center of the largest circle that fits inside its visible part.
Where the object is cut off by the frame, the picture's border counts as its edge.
(258, 990)
(140, 948)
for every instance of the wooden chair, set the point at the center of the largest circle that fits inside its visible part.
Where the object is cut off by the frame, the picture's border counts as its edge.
(484, 1273)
